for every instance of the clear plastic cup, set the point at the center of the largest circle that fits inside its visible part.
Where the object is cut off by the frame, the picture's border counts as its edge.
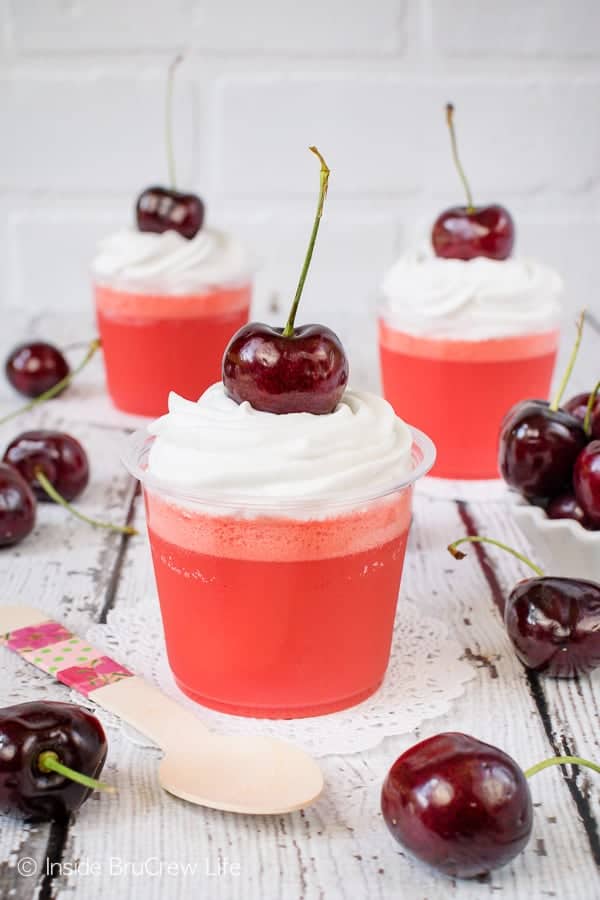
(278, 611)
(460, 390)
(154, 343)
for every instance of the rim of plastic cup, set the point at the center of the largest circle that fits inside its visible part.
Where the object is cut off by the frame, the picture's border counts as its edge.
(139, 443)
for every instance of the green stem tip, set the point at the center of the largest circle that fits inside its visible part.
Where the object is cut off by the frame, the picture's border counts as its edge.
(587, 422)
(288, 331)
(457, 162)
(565, 379)
(561, 761)
(49, 488)
(475, 539)
(48, 761)
(169, 119)
(59, 386)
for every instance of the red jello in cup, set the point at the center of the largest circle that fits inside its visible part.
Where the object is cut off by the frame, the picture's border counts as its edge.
(460, 390)
(462, 341)
(166, 308)
(157, 342)
(278, 611)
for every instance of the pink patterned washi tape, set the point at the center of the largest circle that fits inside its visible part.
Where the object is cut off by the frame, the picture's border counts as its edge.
(71, 660)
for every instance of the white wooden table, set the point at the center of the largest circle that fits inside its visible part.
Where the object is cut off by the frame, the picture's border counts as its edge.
(339, 848)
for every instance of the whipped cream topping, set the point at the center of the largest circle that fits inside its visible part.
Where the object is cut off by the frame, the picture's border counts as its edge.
(239, 453)
(470, 300)
(145, 261)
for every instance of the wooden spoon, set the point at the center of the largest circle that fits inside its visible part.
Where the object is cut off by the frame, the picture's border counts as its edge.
(243, 774)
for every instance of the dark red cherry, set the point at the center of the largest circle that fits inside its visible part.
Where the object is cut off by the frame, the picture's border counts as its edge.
(307, 372)
(161, 209)
(465, 232)
(538, 449)
(554, 624)
(577, 406)
(586, 481)
(565, 506)
(17, 507)
(34, 368)
(288, 370)
(458, 804)
(59, 456)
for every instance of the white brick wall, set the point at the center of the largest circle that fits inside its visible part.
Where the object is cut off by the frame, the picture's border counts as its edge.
(81, 133)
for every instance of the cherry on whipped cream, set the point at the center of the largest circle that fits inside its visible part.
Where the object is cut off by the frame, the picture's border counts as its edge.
(465, 232)
(160, 209)
(291, 369)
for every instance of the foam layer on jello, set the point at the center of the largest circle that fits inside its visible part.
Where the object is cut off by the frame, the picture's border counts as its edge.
(518, 348)
(121, 304)
(470, 300)
(278, 539)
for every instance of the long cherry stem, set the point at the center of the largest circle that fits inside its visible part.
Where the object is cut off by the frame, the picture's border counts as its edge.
(475, 539)
(587, 422)
(457, 163)
(58, 387)
(561, 761)
(48, 761)
(169, 120)
(288, 331)
(49, 488)
(565, 380)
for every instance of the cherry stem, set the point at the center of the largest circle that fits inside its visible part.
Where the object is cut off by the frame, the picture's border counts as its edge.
(49, 488)
(169, 119)
(565, 380)
(561, 761)
(58, 387)
(475, 539)
(48, 761)
(587, 422)
(288, 331)
(457, 163)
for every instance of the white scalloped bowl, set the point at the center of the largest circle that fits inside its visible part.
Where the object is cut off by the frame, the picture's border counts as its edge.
(560, 546)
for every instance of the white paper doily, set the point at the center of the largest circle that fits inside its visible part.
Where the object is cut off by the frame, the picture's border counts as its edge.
(425, 675)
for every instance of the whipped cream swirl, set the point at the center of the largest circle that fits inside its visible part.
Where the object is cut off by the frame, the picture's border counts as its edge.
(239, 453)
(470, 300)
(145, 261)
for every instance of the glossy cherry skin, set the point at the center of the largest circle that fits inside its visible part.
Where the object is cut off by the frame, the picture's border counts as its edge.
(34, 368)
(307, 372)
(554, 624)
(565, 506)
(17, 507)
(538, 448)
(586, 481)
(462, 234)
(61, 458)
(28, 729)
(160, 209)
(458, 804)
(577, 406)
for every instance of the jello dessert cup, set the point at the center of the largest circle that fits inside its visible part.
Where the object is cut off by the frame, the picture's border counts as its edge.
(278, 543)
(460, 343)
(166, 308)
